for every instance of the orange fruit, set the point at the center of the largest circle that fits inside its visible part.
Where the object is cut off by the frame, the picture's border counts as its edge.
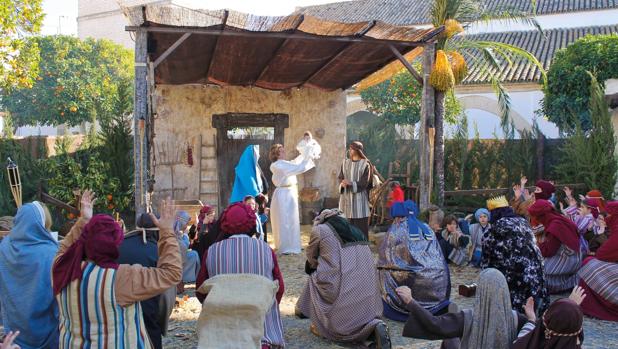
(109, 197)
(62, 114)
(73, 109)
(110, 206)
(71, 216)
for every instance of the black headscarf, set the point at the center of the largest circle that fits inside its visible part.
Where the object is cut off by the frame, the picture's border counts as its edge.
(501, 212)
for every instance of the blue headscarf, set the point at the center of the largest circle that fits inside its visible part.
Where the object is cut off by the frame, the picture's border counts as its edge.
(26, 257)
(481, 211)
(410, 210)
(182, 219)
(247, 180)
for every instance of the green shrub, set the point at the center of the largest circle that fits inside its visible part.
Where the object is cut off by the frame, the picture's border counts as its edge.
(567, 95)
(588, 156)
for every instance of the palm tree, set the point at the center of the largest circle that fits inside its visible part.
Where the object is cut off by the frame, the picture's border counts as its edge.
(490, 56)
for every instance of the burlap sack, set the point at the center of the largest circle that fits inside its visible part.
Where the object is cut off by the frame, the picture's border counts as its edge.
(234, 311)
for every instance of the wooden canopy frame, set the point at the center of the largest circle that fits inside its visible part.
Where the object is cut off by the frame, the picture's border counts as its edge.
(390, 43)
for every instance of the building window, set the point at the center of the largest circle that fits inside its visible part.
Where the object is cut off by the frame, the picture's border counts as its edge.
(249, 132)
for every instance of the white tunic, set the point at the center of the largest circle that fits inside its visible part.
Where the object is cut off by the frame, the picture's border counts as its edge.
(284, 214)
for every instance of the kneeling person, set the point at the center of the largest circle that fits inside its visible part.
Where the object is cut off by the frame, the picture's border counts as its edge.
(341, 296)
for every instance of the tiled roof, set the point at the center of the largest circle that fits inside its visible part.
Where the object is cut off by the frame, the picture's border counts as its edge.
(543, 46)
(405, 12)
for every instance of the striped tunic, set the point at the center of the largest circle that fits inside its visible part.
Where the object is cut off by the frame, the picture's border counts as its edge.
(354, 199)
(241, 254)
(90, 317)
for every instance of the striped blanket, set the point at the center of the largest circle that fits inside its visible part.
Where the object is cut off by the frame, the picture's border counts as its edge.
(561, 270)
(601, 277)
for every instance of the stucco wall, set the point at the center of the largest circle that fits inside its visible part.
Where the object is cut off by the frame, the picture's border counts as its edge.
(185, 113)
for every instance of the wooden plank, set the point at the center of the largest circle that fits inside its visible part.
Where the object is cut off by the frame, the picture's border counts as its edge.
(171, 49)
(214, 47)
(281, 35)
(140, 112)
(407, 64)
(339, 53)
(427, 115)
(295, 26)
(502, 191)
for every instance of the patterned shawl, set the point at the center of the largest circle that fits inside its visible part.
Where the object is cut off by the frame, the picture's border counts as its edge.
(492, 323)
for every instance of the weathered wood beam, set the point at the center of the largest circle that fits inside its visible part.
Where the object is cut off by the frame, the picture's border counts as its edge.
(214, 47)
(426, 120)
(340, 52)
(282, 35)
(295, 26)
(407, 64)
(171, 49)
(140, 114)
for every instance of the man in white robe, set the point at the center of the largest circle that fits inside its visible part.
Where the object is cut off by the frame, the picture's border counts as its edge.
(284, 213)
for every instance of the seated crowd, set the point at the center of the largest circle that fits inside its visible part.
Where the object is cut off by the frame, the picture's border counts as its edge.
(101, 286)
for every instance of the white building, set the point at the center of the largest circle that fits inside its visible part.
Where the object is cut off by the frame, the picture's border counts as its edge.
(563, 22)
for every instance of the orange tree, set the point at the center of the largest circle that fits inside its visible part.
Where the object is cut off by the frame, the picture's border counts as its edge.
(78, 81)
(18, 60)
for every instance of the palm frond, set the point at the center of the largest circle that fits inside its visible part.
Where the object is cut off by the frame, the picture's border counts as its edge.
(504, 101)
(511, 16)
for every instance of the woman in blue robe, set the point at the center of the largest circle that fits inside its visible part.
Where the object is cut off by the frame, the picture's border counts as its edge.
(26, 257)
(249, 179)
(410, 255)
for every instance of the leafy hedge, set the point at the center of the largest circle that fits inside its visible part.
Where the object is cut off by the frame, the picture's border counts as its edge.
(567, 95)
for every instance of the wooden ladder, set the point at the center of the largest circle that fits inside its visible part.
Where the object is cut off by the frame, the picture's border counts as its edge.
(209, 178)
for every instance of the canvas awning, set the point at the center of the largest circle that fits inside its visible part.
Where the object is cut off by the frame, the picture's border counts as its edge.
(231, 48)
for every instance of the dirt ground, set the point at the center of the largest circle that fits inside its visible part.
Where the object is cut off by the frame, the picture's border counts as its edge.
(598, 334)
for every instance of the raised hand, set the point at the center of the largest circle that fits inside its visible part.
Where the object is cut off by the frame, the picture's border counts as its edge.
(8, 341)
(568, 192)
(523, 181)
(577, 295)
(517, 191)
(529, 310)
(527, 195)
(166, 222)
(87, 204)
(405, 293)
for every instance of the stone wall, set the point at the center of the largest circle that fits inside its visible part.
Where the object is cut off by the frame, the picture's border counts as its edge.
(184, 117)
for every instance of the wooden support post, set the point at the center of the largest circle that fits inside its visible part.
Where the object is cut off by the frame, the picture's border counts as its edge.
(406, 64)
(140, 115)
(426, 121)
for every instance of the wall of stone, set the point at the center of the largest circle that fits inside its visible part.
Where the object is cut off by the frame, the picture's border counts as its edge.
(184, 116)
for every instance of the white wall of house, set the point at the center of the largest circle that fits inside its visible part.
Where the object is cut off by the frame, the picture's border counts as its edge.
(560, 20)
(482, 108)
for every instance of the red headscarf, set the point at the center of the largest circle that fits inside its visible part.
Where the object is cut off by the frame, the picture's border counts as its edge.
(596, 194)
(204, 211)
(238, 218)
(546, 190)
(560, 327)
(98, 242)
(593, 205)
(555, 224)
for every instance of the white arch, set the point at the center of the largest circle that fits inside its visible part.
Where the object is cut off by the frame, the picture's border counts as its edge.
(491, 106)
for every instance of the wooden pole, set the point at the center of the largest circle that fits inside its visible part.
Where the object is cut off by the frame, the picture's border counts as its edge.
(140, 112)
(426, 122)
